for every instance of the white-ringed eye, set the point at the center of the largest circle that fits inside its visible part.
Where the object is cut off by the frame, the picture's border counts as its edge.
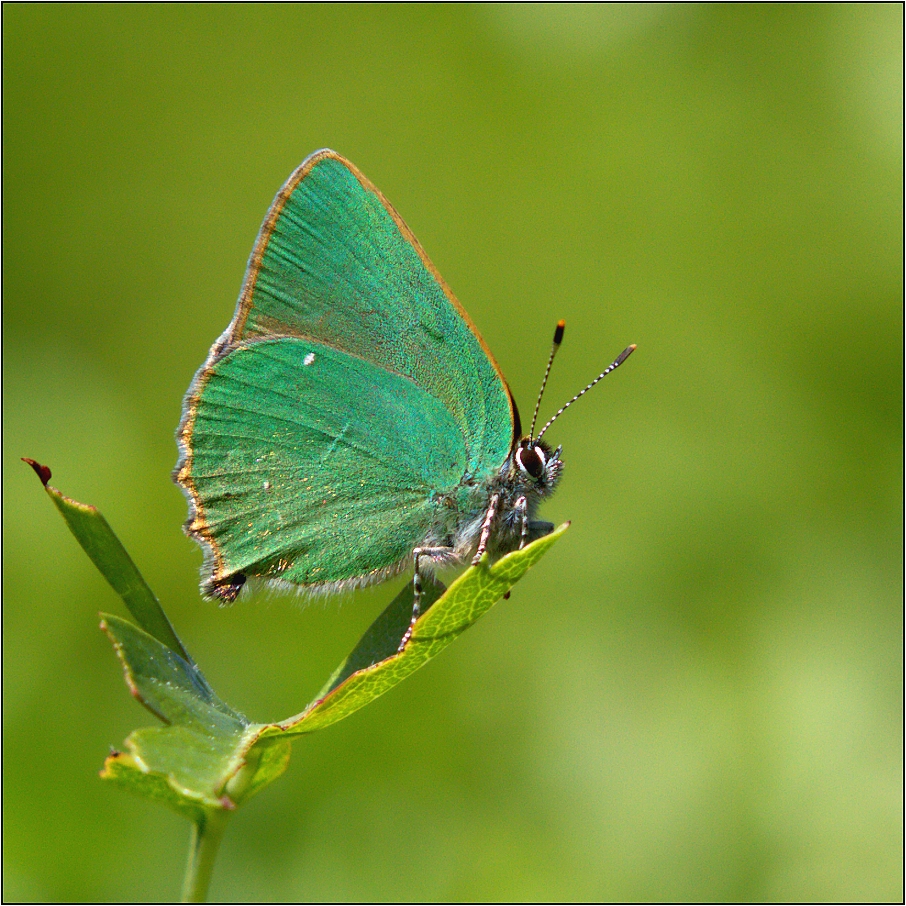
(531, 460)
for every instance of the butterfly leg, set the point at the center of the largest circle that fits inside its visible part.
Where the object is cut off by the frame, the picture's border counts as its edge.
(418, 553)
(486, 528)
(521, 506)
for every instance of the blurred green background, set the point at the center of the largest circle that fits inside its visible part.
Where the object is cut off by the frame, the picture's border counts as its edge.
(697, 695)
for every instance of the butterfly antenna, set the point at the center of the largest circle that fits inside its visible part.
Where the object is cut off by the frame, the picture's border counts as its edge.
(625, 354)
(558, 339)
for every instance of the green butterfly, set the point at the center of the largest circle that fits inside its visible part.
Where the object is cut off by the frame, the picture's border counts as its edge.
(351, 422)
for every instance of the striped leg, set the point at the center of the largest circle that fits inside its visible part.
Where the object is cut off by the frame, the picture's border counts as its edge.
(521, 507)
(418, 553)
(486, 528)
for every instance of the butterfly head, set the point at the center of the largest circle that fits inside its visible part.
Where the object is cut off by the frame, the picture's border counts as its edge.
(536, 467)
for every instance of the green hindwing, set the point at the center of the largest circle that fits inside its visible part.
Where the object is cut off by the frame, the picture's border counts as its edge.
(315, 466)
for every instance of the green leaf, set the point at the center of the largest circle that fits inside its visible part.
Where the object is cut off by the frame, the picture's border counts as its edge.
(166, 684)
(195, 773)
(107, 553)
(375, 665)
(204, 759)
(123, 770)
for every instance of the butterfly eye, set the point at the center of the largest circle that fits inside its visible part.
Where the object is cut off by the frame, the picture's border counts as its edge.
(531, 460)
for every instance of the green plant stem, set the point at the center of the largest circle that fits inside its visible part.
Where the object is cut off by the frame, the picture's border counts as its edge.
(203, 845)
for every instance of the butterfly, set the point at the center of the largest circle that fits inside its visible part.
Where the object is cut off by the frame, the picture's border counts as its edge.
(351, 422)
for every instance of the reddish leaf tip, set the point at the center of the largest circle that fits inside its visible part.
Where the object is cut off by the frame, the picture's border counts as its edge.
(43, 472)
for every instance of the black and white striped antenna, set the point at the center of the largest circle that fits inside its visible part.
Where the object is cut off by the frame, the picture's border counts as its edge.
(558, 339)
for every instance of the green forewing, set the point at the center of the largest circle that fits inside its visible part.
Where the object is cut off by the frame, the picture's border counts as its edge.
(336, 263)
